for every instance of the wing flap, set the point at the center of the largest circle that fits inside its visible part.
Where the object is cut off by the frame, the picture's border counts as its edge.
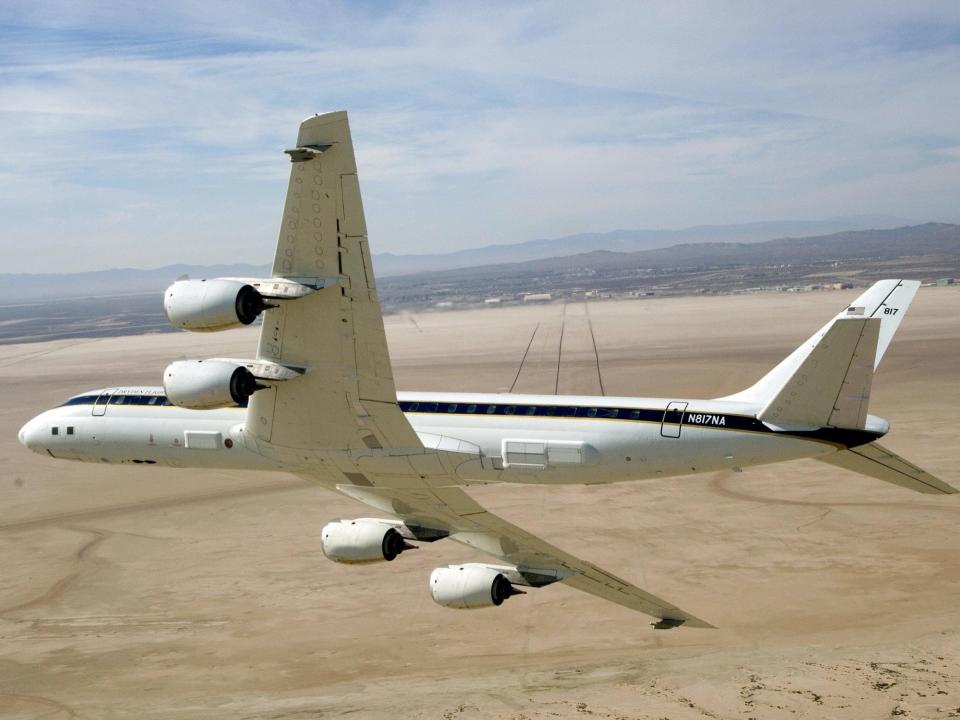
(876, 461)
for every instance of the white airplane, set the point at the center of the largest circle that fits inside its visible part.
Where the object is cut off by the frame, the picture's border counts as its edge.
(318, 400)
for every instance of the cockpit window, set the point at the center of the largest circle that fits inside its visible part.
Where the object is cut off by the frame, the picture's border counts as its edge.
(80, 400)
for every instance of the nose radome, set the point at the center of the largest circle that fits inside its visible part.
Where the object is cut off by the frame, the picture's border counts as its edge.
(30, 435)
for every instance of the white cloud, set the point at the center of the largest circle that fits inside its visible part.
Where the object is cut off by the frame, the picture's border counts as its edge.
(152, 135)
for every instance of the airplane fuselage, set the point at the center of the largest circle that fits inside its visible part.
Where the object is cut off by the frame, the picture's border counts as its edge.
(318, 400)
(498, 437)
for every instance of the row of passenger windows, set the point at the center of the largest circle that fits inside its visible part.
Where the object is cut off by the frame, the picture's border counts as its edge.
(437, 407)
(534, 410)
(139, 400)
(121, 400)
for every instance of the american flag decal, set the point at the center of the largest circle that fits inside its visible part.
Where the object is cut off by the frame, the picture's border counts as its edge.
(856, 310)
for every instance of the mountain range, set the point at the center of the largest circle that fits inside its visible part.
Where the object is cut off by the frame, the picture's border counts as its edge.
(887, 244)
(725, 244)
(389, 264)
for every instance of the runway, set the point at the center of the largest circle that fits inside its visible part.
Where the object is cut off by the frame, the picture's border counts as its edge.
(156, 593)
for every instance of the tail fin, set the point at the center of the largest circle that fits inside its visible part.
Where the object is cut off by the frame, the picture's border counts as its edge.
(876, 461)
(826, 381)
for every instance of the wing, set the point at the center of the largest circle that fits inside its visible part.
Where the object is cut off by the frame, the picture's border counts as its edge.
(347, 396)
(339, 421)
(452, 510)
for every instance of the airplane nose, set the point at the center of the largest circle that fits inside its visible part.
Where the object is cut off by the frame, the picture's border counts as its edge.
(29, 435)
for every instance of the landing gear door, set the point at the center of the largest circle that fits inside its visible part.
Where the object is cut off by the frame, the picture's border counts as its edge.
(673, 419)
(100, 404)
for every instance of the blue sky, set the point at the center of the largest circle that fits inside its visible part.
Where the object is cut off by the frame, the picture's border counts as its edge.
(141, 134)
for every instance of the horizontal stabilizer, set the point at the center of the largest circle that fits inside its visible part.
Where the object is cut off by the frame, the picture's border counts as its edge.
(831, 386)
(876, 461)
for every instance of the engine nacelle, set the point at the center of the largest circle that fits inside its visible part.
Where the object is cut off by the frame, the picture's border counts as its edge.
(362, 541)
(205, 384)
(210, 305)
(470, 586)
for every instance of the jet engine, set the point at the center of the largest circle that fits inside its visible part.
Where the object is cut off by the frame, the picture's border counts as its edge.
(470, 586)
(205, 384)
(362, 541)
(210, 305)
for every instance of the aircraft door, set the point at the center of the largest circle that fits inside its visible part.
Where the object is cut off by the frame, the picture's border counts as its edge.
(100, 404)
(673, 419)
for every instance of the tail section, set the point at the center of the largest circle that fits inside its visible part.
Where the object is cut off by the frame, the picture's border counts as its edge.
(831, 387)
(876, 461)
(826, 381)
(887, 300)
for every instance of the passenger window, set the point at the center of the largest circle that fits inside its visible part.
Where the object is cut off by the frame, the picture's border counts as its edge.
(155, 401)
(413, 407)
(608, 412)
(54, 430)
(532, 410)
(633, 414)
(429, 407)
(69, 429)
(509, 409)
(118, 400)
(591, 412)
(471, 408)
(451, 407)
(491, 409)
(549, 411)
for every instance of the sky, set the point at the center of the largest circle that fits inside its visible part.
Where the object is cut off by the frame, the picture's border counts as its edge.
(144, 134)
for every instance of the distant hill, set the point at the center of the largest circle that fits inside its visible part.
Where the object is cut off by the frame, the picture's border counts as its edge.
(388, 264)
(26, 287)
(591, 250)
(927, 239)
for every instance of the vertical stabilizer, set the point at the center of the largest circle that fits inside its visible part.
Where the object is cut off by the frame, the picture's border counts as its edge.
(831, 387)
(887, 300)
(806, 382)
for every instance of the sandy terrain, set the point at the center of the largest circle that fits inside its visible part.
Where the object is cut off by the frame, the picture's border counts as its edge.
(151, 593)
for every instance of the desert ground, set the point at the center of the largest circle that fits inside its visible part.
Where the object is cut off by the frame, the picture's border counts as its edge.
(151, 593)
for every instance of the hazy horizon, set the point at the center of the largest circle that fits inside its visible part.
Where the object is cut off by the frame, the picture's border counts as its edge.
(268, 249)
